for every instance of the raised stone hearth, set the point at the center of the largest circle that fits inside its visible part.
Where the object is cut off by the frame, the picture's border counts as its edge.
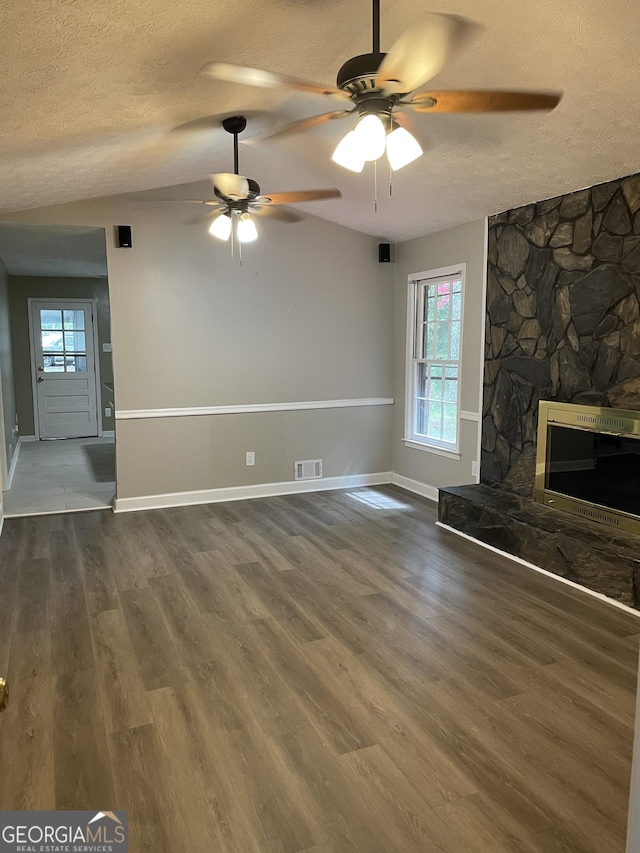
(597, 557)
(562, 323)
(563, 318)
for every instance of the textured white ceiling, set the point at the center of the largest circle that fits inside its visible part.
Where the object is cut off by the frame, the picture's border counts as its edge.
(53, 250)
(91, 88)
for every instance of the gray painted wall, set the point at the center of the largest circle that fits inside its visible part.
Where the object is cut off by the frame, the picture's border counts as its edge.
(465, 244)
(209, 452)
(7, 388)
(309, 316)
(21, 289)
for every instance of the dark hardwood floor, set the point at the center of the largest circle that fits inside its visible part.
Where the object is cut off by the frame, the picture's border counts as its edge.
(326, 672)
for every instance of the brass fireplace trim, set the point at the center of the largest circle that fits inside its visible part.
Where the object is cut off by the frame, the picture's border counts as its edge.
(590, 419)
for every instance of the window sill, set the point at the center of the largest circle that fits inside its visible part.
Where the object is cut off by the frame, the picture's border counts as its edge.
(430, 448)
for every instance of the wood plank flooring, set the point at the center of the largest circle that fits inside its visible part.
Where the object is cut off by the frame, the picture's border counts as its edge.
(316, 673)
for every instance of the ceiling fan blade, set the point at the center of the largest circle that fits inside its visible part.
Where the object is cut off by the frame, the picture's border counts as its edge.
(298, 126)
(404, 121)
(228, 73)
(419, 54)
(212, 122)
(231, 186)
(283, 214)
(162, 201)
(298, 196)
(481, 102)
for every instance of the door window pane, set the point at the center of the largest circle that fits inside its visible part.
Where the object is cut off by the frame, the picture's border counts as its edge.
(53, 364)
(50, 319)
(63, 331)
(75, 342)
(76, 363)
(51, 341)
(74, 320)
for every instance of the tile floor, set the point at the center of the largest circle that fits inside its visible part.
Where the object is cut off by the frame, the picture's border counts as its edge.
(56, 476)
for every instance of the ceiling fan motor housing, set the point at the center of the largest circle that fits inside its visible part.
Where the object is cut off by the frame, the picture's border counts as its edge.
(254, 188)
(358, 74)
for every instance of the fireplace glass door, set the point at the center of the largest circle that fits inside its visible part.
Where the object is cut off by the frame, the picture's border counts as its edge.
(595, 467)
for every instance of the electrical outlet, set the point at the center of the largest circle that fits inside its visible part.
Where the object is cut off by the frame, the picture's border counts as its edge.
(251, 457)
(107, 412)
(474, 469)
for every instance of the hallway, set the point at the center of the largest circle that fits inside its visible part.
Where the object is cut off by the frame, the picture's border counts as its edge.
(67, 474)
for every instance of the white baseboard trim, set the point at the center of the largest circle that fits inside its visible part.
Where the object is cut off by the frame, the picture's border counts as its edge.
(108, 433)
(423, 489)
(1, 518)
(251, 408)
(535, 568)
(14, 462)
(240, 493)
(59, 511)
(25, 438)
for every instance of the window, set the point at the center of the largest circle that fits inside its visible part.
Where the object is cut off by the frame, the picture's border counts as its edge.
(433, 359)
(63, 340)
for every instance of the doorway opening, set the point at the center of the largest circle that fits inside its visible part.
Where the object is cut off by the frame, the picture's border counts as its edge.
(61, 452)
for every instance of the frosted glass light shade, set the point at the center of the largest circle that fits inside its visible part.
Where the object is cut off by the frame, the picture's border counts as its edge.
(371, 136)
(402, 148)
(348, 153)
(221, 227)
(247, 231)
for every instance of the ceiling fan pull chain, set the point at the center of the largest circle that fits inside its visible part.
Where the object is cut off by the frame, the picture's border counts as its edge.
(390, 181)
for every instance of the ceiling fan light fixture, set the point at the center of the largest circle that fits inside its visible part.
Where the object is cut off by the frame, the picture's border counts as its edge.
(247, 231)
(402, 148)
(371, 136)
(348, 153)
(221, 227)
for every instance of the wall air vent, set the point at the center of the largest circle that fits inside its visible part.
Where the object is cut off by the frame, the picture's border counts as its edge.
(308, 469)
(602, 422)
(596, 515)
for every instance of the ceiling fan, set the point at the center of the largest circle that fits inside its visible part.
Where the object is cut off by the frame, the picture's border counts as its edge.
(238, 198)
(381, 86)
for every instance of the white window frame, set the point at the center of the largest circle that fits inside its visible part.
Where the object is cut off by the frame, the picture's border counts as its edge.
(411, 439)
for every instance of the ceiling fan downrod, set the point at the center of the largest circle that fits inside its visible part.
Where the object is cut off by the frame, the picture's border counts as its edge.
(376, 26)
(235, 125)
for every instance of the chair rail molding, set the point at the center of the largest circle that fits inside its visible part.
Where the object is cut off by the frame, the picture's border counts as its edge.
(249, 408)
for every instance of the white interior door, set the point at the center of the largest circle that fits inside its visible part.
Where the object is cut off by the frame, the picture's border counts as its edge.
(64, 368)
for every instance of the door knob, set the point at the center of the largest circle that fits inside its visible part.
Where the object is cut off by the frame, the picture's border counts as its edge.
(4, 694)
(41, 368)
(40, 378)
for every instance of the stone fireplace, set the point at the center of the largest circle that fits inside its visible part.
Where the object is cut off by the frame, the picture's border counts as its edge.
(562, 324)
(563, 318)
